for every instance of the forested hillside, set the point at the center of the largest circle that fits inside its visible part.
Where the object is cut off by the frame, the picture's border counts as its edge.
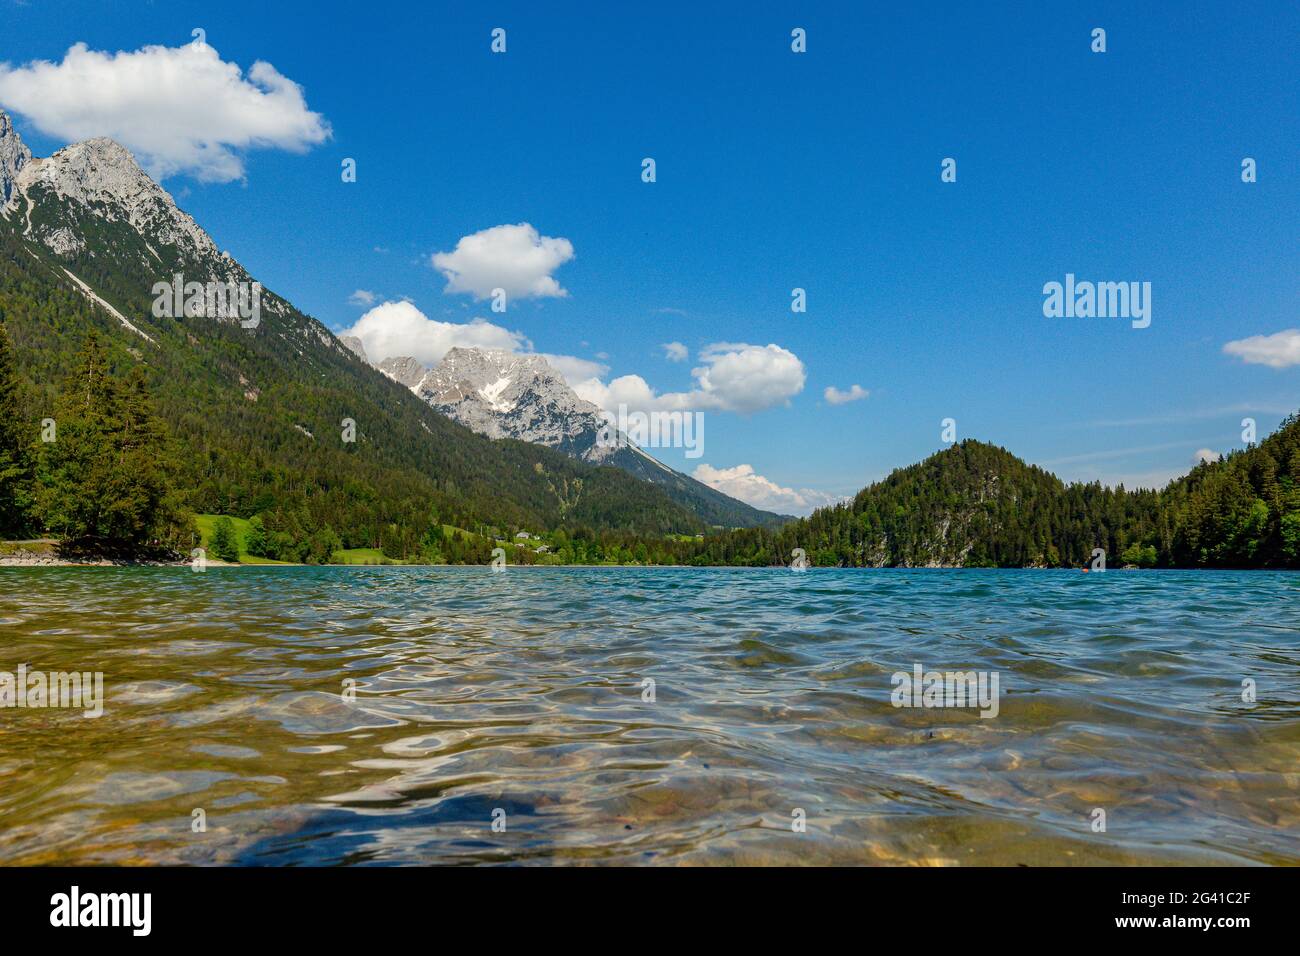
(1243, 511)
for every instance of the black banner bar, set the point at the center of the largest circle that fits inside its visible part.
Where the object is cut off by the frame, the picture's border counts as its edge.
(514, 905)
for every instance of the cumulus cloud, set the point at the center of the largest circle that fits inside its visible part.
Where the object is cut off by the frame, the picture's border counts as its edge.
(837, 397)
(735, 377)
(1205, 454)
(1279, 350)
(675, 352)
(399, 328)
(362, 297)
(179, 110)
(743, 483)
(514, 258)
(749, 378)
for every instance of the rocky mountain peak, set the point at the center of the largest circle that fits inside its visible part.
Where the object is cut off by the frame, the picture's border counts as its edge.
(98, 178)
(494, 383)
(356, 346)
(97, 170)
(14, 155)
(503, 395)
(481, 367)
(403, 369)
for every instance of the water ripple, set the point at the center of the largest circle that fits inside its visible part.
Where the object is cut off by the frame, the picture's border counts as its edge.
(668, 715)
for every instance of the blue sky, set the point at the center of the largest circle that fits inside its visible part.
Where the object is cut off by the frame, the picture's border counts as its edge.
(778, 170)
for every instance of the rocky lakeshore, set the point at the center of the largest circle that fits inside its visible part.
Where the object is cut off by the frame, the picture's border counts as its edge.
(46, 552)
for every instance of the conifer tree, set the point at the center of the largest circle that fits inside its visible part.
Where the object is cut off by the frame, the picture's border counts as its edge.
(257, 542)
(223, 544)
(74, 469)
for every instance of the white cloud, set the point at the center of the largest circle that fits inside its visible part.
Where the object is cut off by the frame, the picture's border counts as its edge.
(837, 397)
(399, 328)
(514, 258)
(734, 378)
(362, 297)
(574, 369)
(1279, 350)
(179, 110)
(1205, 454)
(741, 482)
(675, 352)
(749, 378)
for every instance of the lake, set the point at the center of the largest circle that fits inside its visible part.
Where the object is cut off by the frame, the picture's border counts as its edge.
(399, 715)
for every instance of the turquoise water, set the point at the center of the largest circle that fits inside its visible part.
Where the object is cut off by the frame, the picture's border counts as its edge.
(520, 698)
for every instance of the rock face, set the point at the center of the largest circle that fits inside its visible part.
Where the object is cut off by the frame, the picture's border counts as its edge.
(354, 343)
(403, 369)
(14, 155)
(503, 395)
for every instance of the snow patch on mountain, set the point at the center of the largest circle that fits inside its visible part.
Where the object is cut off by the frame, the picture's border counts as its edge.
(492, 395)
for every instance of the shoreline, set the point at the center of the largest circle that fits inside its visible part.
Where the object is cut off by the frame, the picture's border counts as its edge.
(9, 561)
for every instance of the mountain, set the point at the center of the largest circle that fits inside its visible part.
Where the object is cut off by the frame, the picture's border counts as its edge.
(976, 504)
(970, 505)
(259, 409)
(503, 395)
